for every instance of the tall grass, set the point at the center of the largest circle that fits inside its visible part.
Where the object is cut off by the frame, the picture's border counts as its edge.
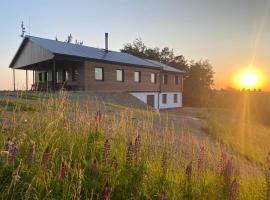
(67, 150)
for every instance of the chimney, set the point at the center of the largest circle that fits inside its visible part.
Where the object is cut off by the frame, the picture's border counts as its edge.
(106, 41)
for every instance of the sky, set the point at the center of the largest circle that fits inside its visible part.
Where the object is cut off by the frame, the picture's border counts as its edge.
(231, 34)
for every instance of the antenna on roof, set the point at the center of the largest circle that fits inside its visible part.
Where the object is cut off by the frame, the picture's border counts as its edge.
(23, 30)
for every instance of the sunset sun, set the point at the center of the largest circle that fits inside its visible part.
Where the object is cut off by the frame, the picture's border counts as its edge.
(249, 79)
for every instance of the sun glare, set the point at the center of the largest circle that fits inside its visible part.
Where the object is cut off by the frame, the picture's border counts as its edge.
(249, 79)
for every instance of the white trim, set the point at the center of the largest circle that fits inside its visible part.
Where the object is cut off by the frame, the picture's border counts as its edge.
(170, 99)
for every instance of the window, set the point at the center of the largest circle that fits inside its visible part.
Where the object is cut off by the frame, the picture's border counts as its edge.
(164, 98)
(176, 80)
(153, 78)
(40, 76)
(137, 76)
(99, 74)
(120, 75)
(175, 98)
(165, 79)
(74, 74)
(65, 75)
(45, 76)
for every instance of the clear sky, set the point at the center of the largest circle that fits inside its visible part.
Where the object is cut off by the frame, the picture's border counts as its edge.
(231, 34)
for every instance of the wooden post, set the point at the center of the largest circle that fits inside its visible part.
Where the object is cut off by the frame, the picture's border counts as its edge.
(26, 86)
(14, 81)
(33, 79)
(53, 76)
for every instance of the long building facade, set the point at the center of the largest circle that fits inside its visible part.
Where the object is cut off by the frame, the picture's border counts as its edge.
(60, 65)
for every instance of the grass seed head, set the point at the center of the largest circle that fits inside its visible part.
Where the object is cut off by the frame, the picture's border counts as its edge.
(94, 168)
(129, 157)
(106, 151)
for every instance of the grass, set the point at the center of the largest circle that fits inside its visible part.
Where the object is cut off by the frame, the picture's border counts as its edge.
(65, 152)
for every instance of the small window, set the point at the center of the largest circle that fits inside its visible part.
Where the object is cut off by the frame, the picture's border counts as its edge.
(137, 77)
(74, 74)
(45, 76)
(99, 74)
(40, 76)
(65, 75)
(165, 79)
(176, 80)
(120, 75)
(175, 98)
(153, 78)
(164, 98)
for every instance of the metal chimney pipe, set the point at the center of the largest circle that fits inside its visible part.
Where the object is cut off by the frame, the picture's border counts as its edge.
(106, 41)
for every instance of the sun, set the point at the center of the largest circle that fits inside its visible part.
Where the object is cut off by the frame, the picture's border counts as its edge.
(248, 79)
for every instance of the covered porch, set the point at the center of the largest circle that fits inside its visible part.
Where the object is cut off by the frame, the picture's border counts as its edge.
(53, 75)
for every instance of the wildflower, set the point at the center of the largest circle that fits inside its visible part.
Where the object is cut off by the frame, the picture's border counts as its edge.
(98, 119)
(106, 151)
(164, 163)
(129, 154)
(114, 163)
(137, 147)
(94, 169)
(62, 172)
(200, 161)
(106, 192)
(227, 173)
(233, 190)
(31, 154)
(45, 159)
(13, 151)
(222, 162)
(162, 197)
(189, 172)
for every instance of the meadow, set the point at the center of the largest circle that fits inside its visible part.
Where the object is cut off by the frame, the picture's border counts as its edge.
(53, 147)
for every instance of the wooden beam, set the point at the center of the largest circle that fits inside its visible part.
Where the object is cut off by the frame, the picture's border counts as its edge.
(14, 81)
(53, 76)
(26, 83)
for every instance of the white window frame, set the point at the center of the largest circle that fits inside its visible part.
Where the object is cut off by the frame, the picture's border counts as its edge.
(153, 78)
(120, 75)
(97, 76)
(137, 78)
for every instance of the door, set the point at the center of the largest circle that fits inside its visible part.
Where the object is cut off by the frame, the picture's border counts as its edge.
(151, 100)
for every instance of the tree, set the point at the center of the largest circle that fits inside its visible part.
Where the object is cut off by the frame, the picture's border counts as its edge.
(198, 82)
(198, 77)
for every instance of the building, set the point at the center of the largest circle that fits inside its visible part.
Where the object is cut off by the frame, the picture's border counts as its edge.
(61, 65)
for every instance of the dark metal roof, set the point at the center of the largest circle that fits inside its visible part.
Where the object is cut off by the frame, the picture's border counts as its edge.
(85, 52)
(165, 67)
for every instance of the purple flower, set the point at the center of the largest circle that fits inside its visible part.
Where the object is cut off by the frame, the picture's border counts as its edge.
(45, 158)
(189, 172)
(201, 161)
(31, 154)
(106, 151)
(222, 162)
(13, 151)
(106, 192)
(233, 190)
(137, 148)
(94, 168)
(7, 144)
(62, 172)
(164, 163)
(129, 156)
(228, 171)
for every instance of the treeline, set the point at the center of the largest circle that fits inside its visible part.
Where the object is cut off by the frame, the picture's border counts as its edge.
(198, 76)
